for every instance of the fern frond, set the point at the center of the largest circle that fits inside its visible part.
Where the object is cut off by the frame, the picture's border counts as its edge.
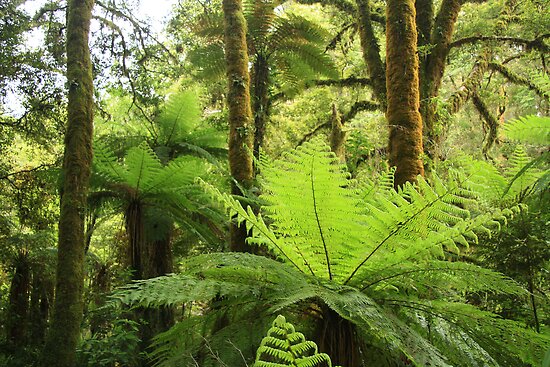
(529, 129)
(181, 115)
(260, 16)
(284, 346)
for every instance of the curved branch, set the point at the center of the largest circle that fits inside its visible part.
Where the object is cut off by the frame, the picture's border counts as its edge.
(535, 44)
(516, 78)
(490, 123)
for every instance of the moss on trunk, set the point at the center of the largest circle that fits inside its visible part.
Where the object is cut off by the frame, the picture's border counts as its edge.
(405, 123)
(371, 52)
(238, 100)
(260, 93)
(337, 135)
(60, 348)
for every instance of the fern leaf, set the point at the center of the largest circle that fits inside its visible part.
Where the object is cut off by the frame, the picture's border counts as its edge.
(529, 129)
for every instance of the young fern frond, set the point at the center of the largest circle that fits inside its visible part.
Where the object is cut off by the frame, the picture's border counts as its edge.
(284, 346)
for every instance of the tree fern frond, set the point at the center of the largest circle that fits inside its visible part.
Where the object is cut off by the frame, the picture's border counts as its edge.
(284, 346)
(260, 16)
(209, 60)
(142, 166)
(181, 115)
(294, 28)
(529, 129)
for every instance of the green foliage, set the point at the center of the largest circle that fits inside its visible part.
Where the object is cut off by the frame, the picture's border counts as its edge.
(283, 346)
(116, 347)
(529, 129)
(141, 177)
(179, 125)
(373, 255)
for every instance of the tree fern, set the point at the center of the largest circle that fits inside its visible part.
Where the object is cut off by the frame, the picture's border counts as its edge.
(371, 254)
(283, 346)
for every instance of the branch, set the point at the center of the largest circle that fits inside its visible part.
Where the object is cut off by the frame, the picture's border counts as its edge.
(347, 82)
(535, 44)
(516, 78)
(34, 169)
(463, 94)
(358, 107)
(342, 5)
(490, 123)
(354, 110)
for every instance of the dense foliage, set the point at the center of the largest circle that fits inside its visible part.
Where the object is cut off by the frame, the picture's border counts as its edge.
(266, 166)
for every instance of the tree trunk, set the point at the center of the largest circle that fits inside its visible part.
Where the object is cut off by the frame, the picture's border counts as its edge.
(156, 261)
(338, 136)
(240, 115)
(371, 52)
(18, 306)
(60, 348)
(260, 93)
(433, 68)
(405, 122)
(40, 306)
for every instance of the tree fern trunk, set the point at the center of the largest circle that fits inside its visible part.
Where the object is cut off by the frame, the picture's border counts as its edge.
(238, 100)
(18, 306)
(60, 348)
(260, 92)
(405, 122)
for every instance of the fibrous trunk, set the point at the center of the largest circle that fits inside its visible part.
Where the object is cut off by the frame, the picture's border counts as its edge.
(260, 93)
(403, 115)
(62, 340)
(18, 307)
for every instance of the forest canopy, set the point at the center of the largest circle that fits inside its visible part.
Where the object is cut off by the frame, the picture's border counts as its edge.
(275, 183)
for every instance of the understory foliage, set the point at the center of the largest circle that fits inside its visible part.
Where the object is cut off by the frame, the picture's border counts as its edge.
(376, 257)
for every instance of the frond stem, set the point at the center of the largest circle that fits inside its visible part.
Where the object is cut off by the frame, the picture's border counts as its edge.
(317, 219)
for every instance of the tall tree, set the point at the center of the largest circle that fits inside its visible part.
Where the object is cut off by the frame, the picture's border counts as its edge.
(403, 96)
(62, 339)
(241, 129)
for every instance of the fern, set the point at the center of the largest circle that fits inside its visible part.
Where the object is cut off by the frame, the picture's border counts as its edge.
(283, 346)
(371, 254)
(529, 129)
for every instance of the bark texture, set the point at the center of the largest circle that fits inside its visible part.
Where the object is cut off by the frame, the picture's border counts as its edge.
(433, 68)
(338, 136)
(60, 348)
(18, 303)
(402, 84)
(371, 52)
(260, 77)
(238, 100)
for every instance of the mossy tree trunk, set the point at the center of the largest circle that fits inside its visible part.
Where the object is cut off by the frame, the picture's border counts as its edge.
(261, 103)
(403, 115)
(434, 63)
(63, 336)
(338, 135)
(371, 51)
(238, 100)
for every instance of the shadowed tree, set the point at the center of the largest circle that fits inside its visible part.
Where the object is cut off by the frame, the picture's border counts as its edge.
(63, 336)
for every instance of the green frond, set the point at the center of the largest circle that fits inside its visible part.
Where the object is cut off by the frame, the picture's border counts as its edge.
(209, 60)
(180, 115)
(529, 129)
(294, 28)
(507, 342)
(284, 346)
(312, 59)
(260, 16)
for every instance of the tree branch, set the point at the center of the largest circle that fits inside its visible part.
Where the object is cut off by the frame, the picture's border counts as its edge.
(516, 78)
(535, 44)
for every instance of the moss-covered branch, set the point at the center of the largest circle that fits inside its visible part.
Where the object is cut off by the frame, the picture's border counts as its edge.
(490, 123)
(516, 78)
(457, 100)
(534, 44)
